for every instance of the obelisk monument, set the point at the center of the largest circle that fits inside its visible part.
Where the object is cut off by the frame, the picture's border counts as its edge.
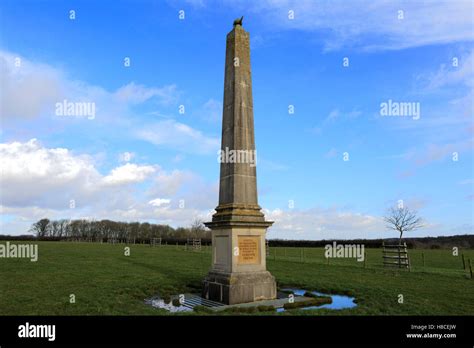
(238, 273)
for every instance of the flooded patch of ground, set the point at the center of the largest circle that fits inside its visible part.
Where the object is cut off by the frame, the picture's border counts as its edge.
(338, 301)
(189, 301)
(160, 303)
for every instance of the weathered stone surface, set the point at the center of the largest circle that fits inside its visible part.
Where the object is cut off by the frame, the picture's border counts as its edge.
(237, 278)
(236, 288)
(238, 181)
(238, 199)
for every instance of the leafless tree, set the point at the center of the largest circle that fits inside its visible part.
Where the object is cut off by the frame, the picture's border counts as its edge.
(63, 224)
(403, 220)
(41, 228)
(197, 228)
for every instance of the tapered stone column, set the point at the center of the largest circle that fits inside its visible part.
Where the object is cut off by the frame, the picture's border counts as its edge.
(238, 273)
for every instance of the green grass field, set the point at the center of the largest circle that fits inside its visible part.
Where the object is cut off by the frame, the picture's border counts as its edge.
(105, 282)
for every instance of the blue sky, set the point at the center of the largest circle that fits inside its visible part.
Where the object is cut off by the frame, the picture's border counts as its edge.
(138, 157)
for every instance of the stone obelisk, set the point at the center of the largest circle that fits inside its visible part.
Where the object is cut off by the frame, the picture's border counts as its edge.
(238, 273)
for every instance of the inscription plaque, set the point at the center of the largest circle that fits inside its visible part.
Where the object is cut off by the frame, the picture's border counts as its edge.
(249, 250)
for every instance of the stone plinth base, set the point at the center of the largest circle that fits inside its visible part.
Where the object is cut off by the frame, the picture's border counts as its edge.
(242, 287)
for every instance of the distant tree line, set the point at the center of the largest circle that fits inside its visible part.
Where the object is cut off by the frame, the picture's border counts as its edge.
(103, 230)
(444, 242)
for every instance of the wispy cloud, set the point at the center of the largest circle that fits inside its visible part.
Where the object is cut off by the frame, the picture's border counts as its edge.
(460, 71)
(323, 223)
(178, 136)
(210, 111)
(137, 94)
(370, 25)
(466, 182)
(31, 90)
(338, 115)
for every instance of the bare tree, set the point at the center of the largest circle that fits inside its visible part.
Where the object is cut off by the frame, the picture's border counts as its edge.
(403, 220)
(41, 228)
(197, 228)
(63, 224)
(54, 228)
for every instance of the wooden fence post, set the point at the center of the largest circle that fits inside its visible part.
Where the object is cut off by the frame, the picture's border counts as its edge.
(423, 258)
(202, 263)
(470, 267)
(463, 262)
(365, 259)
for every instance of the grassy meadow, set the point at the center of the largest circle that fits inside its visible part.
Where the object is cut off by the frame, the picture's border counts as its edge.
(106, 282)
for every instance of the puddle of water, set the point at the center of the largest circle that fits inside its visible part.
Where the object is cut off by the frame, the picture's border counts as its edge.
(338, 301)
(190, 301)
(159, 303)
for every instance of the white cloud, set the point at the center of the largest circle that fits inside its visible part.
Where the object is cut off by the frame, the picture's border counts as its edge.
(28, 89)
(196, 3)
(334, 223)
(178, 136)
(33, 89)
(212, 110)
(318, 223)
(447, 128)
(437, 152)
(333, 115)
(38, 182)
(159, 202)
(336, 114)
(33, 175)
(373, 24)
(451, 78)
(466, 182)
(168, 184)
(178, 158)
(447, 75)
(186, 185)
(129, 173)
(137, 94)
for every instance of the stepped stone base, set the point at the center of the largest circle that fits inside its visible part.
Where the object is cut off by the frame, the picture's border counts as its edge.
(233, 288)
